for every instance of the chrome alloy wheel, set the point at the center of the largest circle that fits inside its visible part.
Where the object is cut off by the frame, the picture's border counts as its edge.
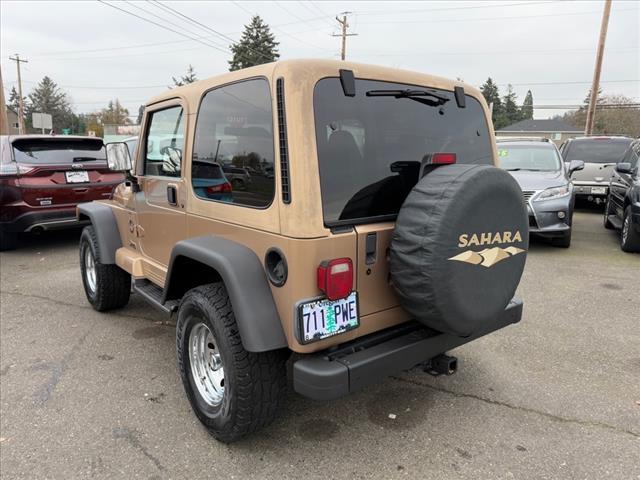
(90, 269)
(207, 370)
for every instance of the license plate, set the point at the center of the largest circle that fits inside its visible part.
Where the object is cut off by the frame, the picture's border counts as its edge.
(78, 176)
(598, 190)
(325, 318)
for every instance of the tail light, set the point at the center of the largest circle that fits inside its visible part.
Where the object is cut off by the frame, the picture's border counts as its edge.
(443, 158)
(222, 188)
(12, 168)
(335, 278)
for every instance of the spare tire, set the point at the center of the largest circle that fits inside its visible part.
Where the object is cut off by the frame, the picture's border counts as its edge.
(459, 247)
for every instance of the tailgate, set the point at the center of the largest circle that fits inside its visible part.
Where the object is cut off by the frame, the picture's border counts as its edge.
(66, 184)
(372, 268)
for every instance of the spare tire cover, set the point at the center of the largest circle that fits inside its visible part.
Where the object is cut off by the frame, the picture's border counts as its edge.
(459, 247)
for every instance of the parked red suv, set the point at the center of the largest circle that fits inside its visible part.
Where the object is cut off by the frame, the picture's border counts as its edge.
(44, 177)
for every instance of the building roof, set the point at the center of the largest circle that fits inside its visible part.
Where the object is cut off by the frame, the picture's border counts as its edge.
(541, 126)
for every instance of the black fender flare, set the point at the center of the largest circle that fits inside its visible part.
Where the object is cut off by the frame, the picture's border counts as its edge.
(106, 228)
(245, 280)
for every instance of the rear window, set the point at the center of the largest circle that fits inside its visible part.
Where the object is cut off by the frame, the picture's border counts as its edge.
(533, 158)
(371, 149)
(597, 150)
(58, 152)
(206, 170)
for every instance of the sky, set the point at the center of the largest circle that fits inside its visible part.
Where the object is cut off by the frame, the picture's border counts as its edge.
(96, 52)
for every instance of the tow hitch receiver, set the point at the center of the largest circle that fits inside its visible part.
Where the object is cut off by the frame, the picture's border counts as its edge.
(441, 365)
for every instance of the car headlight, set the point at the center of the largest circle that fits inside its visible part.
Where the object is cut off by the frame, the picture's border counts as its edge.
(553, 193)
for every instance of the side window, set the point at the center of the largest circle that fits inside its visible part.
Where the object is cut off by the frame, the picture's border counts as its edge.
(233, 151)
(165, 143)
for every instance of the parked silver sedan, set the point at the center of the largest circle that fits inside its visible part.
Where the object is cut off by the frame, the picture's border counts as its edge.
(546, 185)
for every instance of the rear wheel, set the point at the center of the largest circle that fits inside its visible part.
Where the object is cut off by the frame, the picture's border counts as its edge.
(233, 392)
(107, 286)
(629, 238)
(8, 241)
(237, 183)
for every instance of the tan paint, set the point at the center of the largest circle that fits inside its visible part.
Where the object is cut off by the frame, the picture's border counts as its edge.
(297, 229)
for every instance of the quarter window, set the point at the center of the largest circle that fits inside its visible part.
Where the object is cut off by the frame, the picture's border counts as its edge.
(233, 150)
(164, 143)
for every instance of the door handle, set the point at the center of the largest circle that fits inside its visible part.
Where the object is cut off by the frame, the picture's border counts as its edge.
(172, 195)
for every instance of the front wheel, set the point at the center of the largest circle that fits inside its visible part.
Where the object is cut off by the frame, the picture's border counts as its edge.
(629, 238)
(233, 392)
(106, 286)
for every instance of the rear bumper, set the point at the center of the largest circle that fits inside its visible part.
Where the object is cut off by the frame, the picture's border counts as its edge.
(43, 219)
(329, 375)
(586, 189)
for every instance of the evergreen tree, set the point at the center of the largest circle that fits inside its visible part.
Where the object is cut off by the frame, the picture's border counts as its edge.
(511, 110)
(47, 97)
(114, 114)
(492, 95)
(526, 112)
(190, 77)
(256, 46)
(14, 100)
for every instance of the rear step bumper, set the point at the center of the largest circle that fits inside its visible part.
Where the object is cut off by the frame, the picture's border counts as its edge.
(333, 374)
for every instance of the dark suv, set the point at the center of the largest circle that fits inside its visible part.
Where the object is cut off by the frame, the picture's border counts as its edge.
(599, 154)
(43, 179)
(622, 211)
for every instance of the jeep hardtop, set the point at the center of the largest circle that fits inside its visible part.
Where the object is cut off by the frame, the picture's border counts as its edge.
(375, 235)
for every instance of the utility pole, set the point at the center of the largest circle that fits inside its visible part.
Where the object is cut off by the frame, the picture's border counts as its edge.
(343, 23)
(18, 61)
(595, 86)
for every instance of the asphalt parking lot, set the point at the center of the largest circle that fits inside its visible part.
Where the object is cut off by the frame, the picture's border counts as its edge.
(85, 394)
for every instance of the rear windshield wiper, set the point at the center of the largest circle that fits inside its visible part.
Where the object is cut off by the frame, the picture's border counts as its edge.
(526, 169)
(85, 159)
(434, 99)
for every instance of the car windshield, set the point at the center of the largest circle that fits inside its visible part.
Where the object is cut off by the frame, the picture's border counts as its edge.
(45, 151)
(537, 158)
(372, 147)
(597, 150)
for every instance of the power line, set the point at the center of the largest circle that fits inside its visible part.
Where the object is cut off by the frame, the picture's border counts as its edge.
(456, 20)
(275, 27)
(163, 26)
(207, 28)
(429, 10)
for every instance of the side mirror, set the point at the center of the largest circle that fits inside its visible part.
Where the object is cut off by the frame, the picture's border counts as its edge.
(575, 165)
(623, 167)
(118, 157)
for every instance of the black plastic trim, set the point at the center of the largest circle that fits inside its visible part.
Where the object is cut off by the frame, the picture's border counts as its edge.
(348, 82)
(274, 281)
(283, 142)
(330, 375)
(106, 228)
(458, 92)
(245, 280)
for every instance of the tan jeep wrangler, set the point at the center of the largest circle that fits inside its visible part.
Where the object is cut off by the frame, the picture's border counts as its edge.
(374, 235)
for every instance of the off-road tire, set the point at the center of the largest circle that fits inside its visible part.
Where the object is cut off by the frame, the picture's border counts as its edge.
(112, 284)
(562, 242)
(8, 241)
(607, 211)
(254, 383)
(630, 242)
